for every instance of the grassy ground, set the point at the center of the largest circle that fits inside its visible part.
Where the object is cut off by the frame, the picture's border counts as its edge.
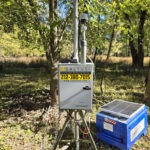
(24, 86)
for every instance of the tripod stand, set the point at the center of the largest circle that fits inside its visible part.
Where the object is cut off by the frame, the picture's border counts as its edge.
(68, 118)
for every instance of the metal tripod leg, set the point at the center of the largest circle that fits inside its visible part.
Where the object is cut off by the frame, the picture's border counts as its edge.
(92, 140)
(77, 132)
(62, 132)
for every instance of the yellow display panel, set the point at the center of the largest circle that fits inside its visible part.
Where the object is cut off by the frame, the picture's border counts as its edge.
(66, 76)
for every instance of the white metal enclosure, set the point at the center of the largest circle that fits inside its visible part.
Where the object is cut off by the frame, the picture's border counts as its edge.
(75, 86)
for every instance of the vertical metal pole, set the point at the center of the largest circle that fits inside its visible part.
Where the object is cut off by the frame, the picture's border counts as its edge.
(76, 131)
(76, 30)
(76, 57)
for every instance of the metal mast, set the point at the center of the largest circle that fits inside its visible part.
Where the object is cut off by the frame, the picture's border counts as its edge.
(76, 57)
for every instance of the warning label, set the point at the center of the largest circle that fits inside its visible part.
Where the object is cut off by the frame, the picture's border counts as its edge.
(108, 126)
(136, 130)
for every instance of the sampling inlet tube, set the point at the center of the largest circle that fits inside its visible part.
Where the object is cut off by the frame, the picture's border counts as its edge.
(83, 44)
(76, 57)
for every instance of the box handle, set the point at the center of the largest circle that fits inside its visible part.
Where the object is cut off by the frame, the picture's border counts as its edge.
(86, 88)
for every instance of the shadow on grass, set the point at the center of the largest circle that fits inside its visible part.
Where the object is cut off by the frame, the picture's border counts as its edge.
(16, 104)
(23, 87)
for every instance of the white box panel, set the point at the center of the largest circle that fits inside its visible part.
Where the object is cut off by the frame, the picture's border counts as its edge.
(75, 86)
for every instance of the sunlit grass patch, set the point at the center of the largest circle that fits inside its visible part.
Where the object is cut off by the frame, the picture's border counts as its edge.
(14, 137)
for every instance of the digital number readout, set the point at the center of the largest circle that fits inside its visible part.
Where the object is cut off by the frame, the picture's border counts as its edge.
(75, 76)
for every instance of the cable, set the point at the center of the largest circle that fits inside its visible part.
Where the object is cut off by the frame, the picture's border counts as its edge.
(76, 122)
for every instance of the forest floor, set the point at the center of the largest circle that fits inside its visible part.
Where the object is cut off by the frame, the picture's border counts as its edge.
(26, 121)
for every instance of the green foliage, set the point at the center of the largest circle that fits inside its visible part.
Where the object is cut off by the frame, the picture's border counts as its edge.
(20, 21)
(32, 25)
(10, 46)
(103, 18)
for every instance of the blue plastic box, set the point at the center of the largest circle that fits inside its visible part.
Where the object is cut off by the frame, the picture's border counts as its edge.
(120, 131)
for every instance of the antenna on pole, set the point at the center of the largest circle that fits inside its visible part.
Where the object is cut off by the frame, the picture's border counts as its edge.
(76, 57)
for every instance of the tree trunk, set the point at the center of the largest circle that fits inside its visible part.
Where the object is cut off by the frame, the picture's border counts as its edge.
(131, 43)
(111, 38)
(141, 37)
(137, 55)
(53, 55)
(95, 54)
(53, 84)
(108, 53)
(133, 51)
(147, 91)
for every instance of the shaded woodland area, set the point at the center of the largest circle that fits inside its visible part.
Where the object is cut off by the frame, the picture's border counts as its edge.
(35, 35)
(27, 122)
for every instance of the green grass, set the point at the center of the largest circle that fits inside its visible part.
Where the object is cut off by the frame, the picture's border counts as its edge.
(24, 93)
(121, 81)
(23, 90)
